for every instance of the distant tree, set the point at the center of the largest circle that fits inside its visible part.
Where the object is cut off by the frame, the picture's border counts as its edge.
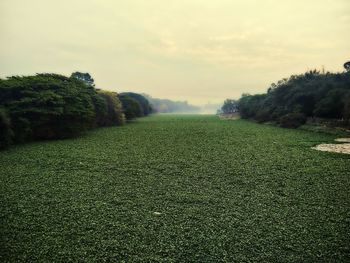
(347, 66)
(230, 106)
(132, 108)
(114, 112)
(146, 107)
(85, 77)
(170, 106)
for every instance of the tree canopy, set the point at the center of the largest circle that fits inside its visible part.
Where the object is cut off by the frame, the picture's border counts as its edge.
(146, 107)
(230, 106)
(85, 77)
(312, 94)
(51, 106)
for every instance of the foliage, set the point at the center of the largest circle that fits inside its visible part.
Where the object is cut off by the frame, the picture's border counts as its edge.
(250, 105)
(230, 106)
(114, 111)
(347, 66)
(146, 107)
(47, 106)
(226, 192)
(313, 94)
(84, 77)
(6, 133)
(292, 120)
(132, 108)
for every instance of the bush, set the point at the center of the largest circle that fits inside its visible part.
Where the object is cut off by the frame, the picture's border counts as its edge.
(132, 108)
(292, 120)
(6, 133)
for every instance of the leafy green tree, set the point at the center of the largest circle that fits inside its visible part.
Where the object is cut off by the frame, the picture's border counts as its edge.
(6, 133)
(47, 106)
(146, 107)
(114, 111)
(85, 77)
(313, 93)
(132, 108)
(230, 106)
(332, 105)
(170, 106)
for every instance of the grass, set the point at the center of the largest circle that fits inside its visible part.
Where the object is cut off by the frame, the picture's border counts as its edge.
(176, 189)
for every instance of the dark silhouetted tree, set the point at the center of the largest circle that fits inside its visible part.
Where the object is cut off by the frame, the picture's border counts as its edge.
(347, 66)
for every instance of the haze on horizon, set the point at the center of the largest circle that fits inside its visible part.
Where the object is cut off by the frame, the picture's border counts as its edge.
(196, 50)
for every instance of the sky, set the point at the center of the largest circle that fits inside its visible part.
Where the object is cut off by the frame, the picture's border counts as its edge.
(202, 51)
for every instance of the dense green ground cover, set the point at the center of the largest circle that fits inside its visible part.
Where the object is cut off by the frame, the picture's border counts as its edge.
(227, 191)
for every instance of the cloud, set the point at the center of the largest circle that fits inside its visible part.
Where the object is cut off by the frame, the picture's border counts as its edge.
(200, 50)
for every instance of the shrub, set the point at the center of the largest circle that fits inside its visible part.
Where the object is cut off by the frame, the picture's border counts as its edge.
(292, 120)
(6, 133)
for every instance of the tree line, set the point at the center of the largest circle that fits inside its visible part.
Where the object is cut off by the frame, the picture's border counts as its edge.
(52, 106)
(291, 101)
(170, 106)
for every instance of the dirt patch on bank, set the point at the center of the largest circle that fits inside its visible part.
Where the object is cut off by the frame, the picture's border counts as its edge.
(337, 148)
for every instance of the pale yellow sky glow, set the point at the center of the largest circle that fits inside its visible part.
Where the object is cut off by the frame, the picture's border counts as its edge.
(196, 50)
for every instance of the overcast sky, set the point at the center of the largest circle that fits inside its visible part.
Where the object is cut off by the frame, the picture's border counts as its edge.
(196, 50)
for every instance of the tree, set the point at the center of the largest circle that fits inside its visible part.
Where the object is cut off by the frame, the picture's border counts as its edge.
(6, 133)
(324, 95)
(47, 106)
(132, 108)
(347, 66)
(169, 106)
(114, 111)
(230, 106)
(85, 77)
(146, 107)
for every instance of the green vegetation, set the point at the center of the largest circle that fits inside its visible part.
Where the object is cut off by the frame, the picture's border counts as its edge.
(313, 94)
(47, 106)
(113, 113)
(52, 106)
(6, 133)
(132, 108)
(176, 189)
(230, 106)
(146, 107)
